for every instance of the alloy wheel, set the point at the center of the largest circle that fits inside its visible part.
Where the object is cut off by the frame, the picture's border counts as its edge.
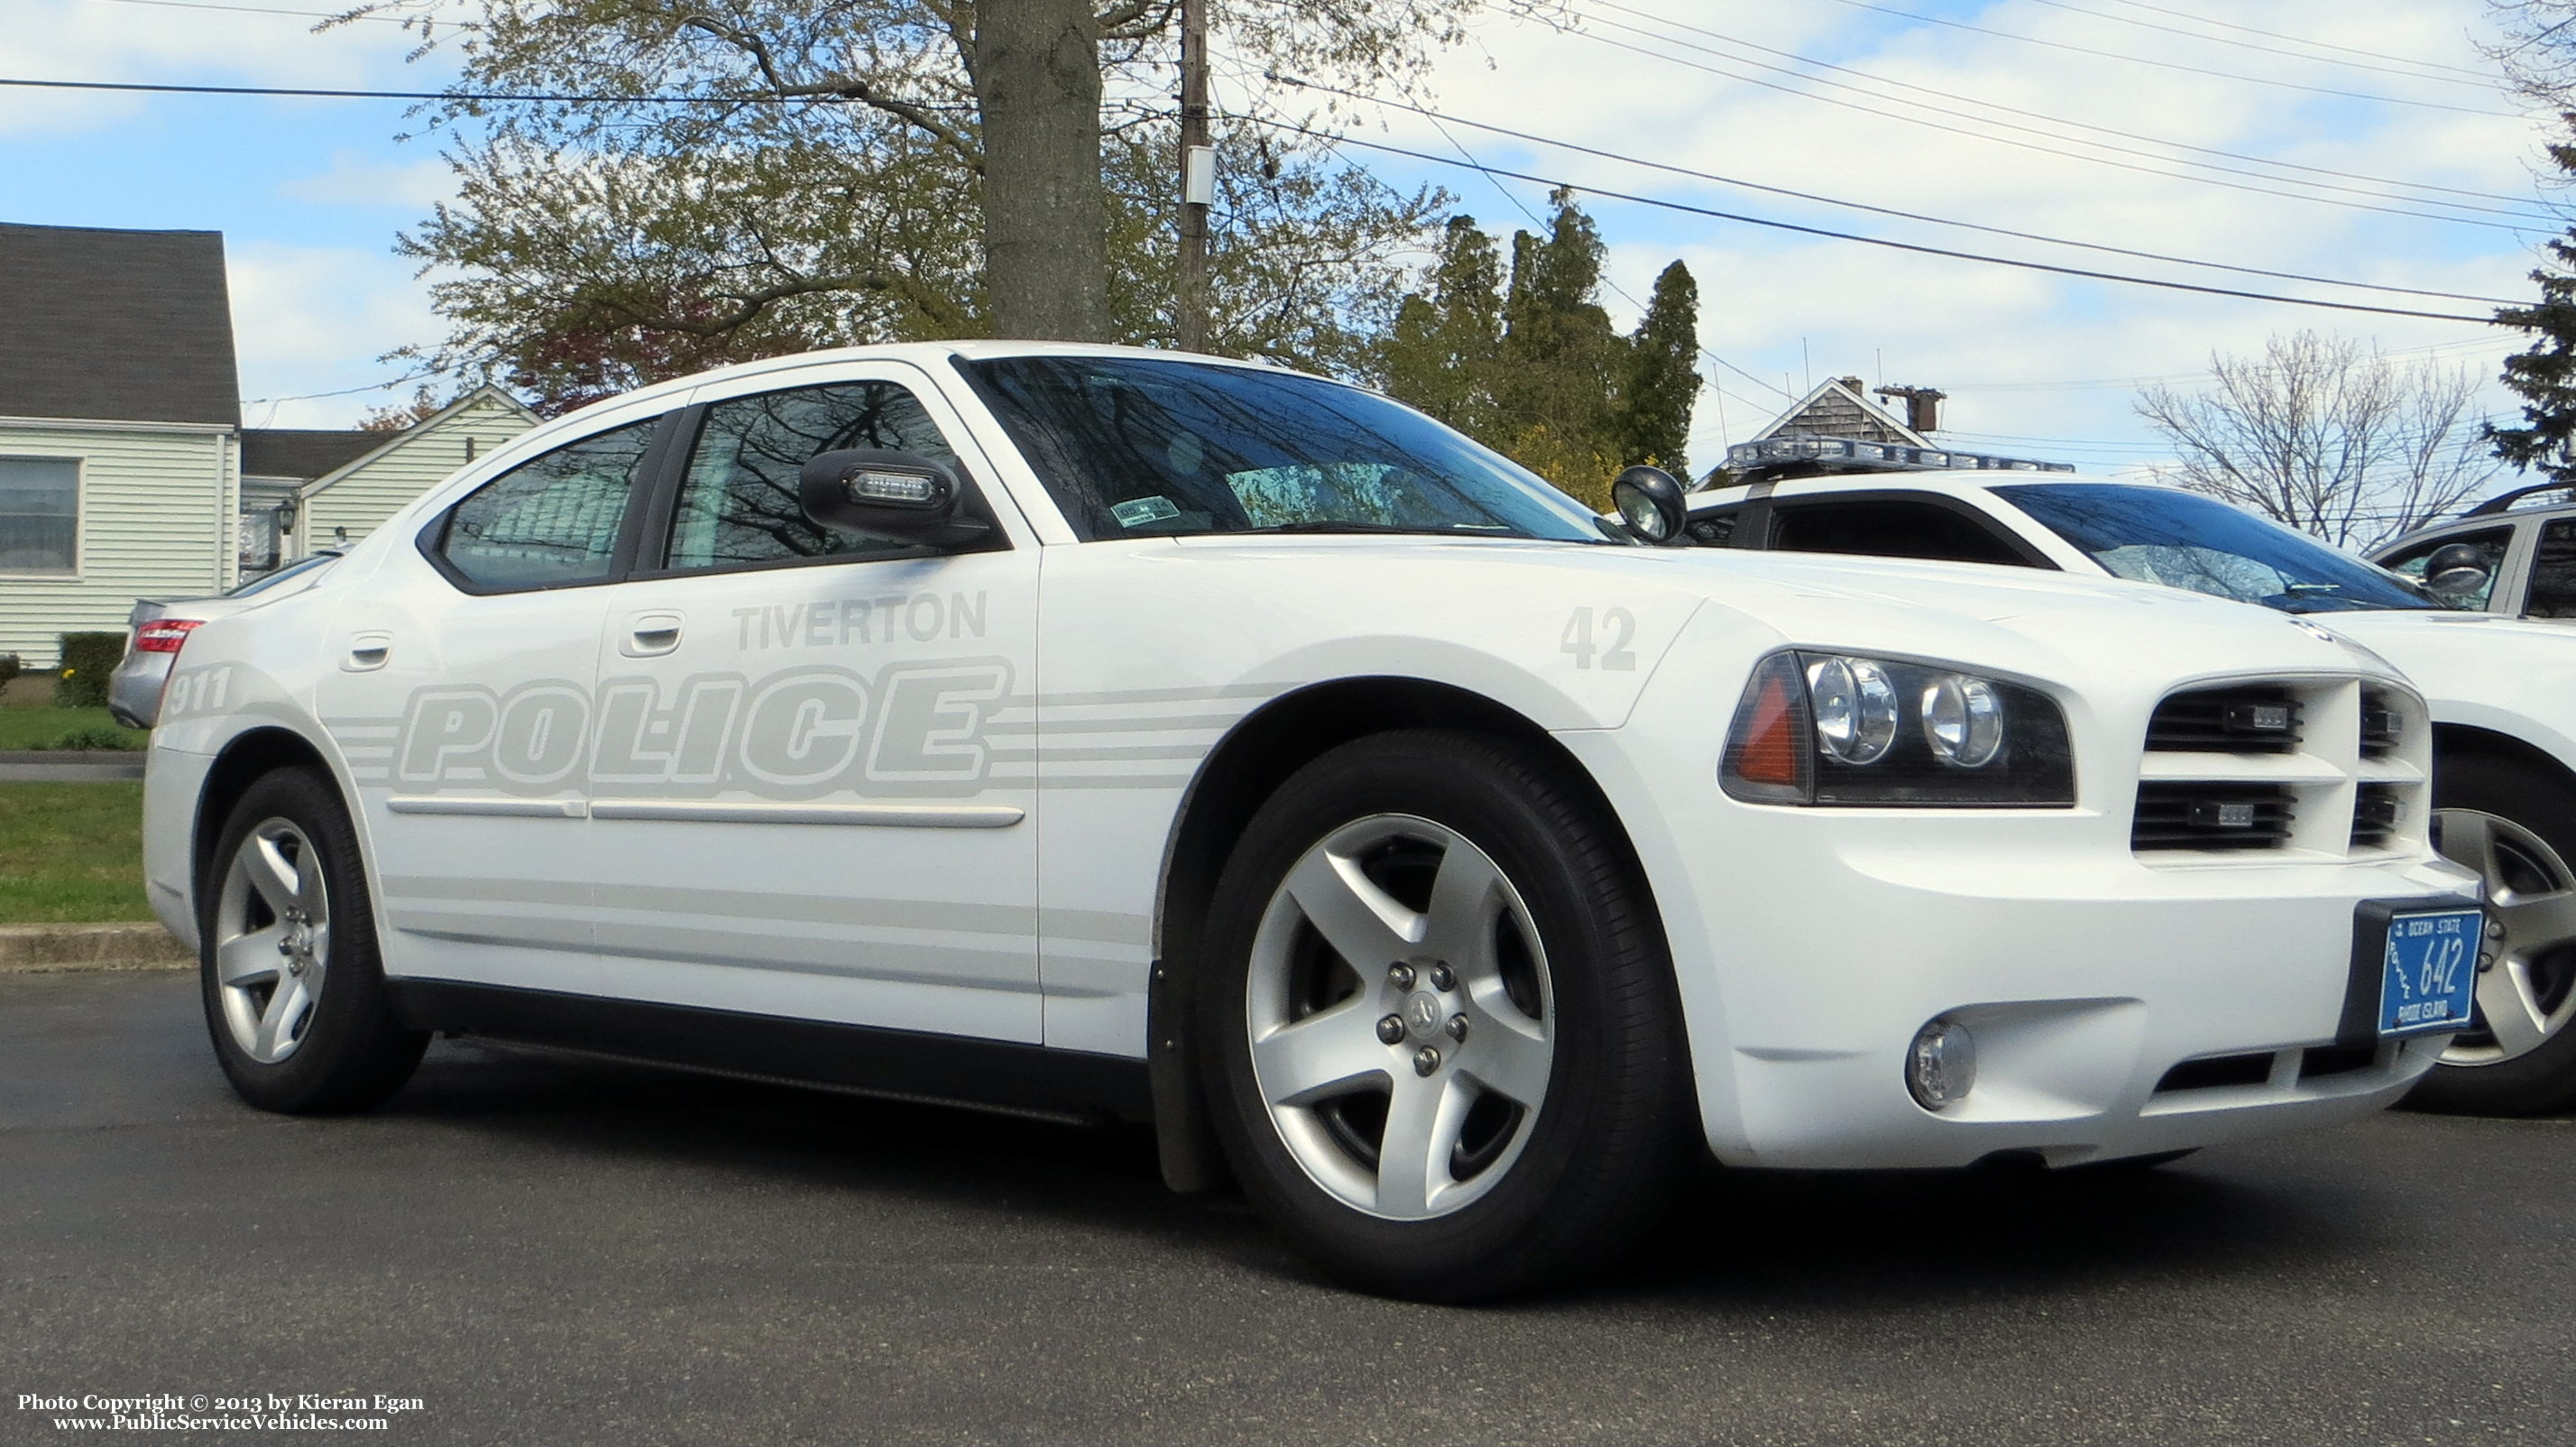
(2529, 993)
(272, 940)
(1402, 1026)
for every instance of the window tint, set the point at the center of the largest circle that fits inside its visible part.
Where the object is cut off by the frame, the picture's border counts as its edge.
(2491, 546)
(1131, 447)
(1712, 529)
(1888, 529)
(551, 520)
(39, 515)
(738, 506)
(2553, 572)
(2184, 540)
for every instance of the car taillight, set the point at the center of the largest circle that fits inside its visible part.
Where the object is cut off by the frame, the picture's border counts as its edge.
(164, 635)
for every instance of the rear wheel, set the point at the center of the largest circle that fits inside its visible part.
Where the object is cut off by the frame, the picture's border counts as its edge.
(1445, 1054)
(2517, 828)
(294, 991)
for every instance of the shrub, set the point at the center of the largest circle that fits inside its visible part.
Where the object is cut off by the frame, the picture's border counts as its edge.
(95, 738)
(88, 658)
(11, 665)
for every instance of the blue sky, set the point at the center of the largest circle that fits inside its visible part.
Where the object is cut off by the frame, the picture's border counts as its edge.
(310, 194)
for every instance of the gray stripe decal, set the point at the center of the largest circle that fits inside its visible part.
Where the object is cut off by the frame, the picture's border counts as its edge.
(484, 807)
(745, 950)
(1177, 723)
(1103, 754)
(884, 816)
(528, 933)
(1018, 921)
(1161, 695)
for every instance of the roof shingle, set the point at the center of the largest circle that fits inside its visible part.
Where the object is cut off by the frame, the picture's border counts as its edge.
(120, 326)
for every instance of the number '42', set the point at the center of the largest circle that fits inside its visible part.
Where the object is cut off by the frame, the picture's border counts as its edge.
(1608, 642)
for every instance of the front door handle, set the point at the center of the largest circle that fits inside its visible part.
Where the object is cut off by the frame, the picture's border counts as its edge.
(368, 651)
(649, 635)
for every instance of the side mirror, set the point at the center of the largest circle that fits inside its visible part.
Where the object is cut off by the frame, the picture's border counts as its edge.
(1650, 505)
(2459, 569)
(878, 494)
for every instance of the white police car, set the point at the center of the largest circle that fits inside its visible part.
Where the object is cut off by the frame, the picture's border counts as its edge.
(2502, 689)
(1106, 732)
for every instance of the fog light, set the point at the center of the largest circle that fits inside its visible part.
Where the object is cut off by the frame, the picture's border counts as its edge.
(1941, 1068)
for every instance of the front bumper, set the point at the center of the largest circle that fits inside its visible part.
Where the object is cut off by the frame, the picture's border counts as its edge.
(1811, 944)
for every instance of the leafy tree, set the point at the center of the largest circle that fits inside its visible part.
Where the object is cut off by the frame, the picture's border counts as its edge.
(866, 170)
(403, 416)
(2327, 436)
(1526, 361)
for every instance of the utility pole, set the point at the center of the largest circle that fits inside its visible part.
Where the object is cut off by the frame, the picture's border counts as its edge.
(1198, 180)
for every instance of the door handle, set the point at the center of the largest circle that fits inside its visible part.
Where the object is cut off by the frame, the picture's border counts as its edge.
(368, 651)
(650, 634)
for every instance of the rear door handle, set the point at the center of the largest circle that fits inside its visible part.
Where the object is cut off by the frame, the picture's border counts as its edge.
(650, 634)
(368, 651)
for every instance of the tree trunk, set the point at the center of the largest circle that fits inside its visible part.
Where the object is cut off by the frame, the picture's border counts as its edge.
(1046, 244)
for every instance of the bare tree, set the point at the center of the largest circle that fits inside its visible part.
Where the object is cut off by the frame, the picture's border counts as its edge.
(2328, 436)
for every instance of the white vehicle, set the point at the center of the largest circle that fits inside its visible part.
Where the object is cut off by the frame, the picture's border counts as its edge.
(2502, 690)
(1100, 732)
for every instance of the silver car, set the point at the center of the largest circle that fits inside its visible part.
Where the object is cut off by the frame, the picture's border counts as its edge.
(156, 629)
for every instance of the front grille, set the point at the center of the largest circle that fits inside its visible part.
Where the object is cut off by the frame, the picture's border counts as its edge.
(2383, 728)
(2218, 1070)
(2211, 816)
(2375, 814)
(2322, 1061)
(2246, 719)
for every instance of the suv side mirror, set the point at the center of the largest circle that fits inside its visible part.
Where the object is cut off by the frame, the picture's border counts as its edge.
(2457, 568)
(1650, 505)
(897, 495)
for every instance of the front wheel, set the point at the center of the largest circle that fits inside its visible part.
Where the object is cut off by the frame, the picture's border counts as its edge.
(2517, 828)
(1445, 1053)
(294, 992)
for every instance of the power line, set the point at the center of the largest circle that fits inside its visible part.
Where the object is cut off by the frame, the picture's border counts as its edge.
(1777, 225)
(1437, 118)
(2277, 35)
(2265, 191)
(493, 97)
(2166, 64)
(2488, 82)
(2052, 120)
(256, 10)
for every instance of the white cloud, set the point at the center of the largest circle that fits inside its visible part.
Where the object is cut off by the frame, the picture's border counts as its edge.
(357, 181)
(2006, 341)
(314, 319)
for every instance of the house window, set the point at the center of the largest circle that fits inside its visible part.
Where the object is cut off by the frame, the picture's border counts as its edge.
(39, 515)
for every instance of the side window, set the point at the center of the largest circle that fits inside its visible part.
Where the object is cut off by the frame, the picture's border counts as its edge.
(1888, 529)
(39, 515)
(738, 505)
(2491, 545)
(1712, 529)
(2553, 572)
(551, 520)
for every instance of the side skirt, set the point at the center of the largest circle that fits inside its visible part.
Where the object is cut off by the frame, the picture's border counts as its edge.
(898, 1064)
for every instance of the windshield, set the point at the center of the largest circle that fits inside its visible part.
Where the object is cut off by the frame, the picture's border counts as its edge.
(1132, 447)
(2184, 540)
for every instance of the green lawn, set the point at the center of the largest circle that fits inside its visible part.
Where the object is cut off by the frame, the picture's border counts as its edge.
(45, 727)
(71, 853)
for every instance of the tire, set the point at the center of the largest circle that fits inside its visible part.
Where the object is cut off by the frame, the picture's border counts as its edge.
(2516, 826)
(1432, 938)
(293, 986)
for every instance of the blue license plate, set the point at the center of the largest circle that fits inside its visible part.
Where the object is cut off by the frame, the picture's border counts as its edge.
(2428, 981)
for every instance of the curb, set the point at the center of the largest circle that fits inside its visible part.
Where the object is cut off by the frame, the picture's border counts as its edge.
(48, 948)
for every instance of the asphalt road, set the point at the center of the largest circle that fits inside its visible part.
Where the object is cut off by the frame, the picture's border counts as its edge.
(546, 1252)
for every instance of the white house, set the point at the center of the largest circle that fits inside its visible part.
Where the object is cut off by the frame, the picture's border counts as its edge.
(125, 471)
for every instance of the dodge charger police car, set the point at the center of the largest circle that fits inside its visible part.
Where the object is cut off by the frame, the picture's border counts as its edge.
(1111, 733)
(2502, 690)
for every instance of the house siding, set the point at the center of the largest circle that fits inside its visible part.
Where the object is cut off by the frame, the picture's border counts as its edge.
(363, 497)
(156, 521)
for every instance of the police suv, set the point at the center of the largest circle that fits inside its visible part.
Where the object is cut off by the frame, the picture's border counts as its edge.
(1112, 733)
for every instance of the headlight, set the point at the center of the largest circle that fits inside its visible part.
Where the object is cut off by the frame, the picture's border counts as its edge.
(1829, 728)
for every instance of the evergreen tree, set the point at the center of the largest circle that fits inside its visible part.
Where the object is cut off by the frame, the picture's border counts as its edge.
(2545, 376)
(1662, 382)
(1527, 363)
(1440, 354)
